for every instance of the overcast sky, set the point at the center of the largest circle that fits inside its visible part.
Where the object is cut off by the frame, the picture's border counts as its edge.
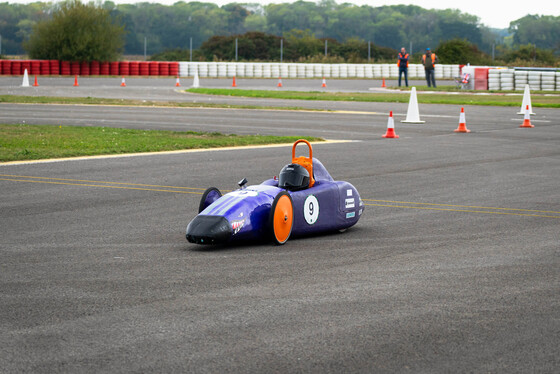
(492, 13)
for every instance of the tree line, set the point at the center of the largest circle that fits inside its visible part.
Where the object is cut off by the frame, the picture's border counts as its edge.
(295, 45)
(351, 31)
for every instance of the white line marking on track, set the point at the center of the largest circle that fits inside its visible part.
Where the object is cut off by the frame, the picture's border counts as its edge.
(533, 120)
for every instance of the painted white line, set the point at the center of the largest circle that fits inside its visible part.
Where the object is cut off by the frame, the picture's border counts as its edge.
(438, 116)
(387, 114)
(532, 120)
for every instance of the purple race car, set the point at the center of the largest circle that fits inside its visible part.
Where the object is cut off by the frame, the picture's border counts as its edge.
(303, 200)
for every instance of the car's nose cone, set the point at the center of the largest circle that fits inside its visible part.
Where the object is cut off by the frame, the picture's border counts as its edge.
(205, 229)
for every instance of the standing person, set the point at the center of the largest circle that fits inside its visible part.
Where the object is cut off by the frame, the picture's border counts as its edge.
(402, 63)
(429, 61)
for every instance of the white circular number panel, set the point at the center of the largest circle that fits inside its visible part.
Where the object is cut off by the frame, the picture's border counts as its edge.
(311, 209)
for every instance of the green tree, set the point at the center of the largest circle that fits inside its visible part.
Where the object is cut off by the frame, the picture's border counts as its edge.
(177, 54)
(251, 46)
(168, 27)
(353, 50)
(529, 54)
(301, 15)
(77, 32)
(25, 27)
(236, 15)
(255, 22)
(460, 51)
(542, 31)
(16, 22)
(302, 43)
(351, 22)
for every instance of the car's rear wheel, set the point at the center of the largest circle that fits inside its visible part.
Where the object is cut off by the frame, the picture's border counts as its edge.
(208, 197)
(281, 219)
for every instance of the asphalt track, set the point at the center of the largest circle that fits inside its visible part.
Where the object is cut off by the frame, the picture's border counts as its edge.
(452, 268)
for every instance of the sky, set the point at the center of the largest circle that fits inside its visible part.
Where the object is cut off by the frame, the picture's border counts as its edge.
(492, 13)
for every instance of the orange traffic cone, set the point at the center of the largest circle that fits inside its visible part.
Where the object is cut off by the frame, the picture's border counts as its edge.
(383, 85)
(123, 84)
(35, 84)
(177, 83)
(324, 83)
(233, 84)
(390, 127)
(527, 120)
(279, 82)
(76, 81)
(462, 123)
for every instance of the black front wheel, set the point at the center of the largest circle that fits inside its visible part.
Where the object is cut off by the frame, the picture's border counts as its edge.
(208, 197)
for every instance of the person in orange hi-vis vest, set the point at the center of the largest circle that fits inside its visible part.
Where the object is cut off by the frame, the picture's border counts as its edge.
(402, 63)
(429, 61)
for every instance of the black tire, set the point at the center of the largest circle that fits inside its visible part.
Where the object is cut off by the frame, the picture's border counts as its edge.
(281, 238)
(203, 203)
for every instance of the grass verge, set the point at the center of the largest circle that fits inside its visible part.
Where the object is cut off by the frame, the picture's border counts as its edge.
(456, 98)
(34, 142)
(431, 98)
(16, 99)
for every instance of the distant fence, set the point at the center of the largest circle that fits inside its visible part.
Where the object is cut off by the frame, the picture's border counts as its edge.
(218, 69)
(492, 78)
(508, 79)
(55, 67)
(514, 79)
(301, 70)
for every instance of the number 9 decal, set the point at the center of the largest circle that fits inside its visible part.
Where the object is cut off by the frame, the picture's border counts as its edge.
(311, 209)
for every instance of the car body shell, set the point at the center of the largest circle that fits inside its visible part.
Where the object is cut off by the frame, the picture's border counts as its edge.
(243, 214)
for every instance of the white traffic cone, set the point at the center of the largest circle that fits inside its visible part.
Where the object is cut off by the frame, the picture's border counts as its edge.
(196, 82)
(25, 82)
(413, 114)
(526, 101)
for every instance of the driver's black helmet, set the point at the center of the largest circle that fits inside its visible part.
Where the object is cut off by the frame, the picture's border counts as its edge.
(293, 177)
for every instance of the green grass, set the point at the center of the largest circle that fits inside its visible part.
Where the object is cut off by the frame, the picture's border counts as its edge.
(457, 98)
(32, 142)
(462, 91)
(16, 99)
(460, 98)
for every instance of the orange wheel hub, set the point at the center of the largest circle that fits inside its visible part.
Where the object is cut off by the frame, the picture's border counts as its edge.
(283, 219)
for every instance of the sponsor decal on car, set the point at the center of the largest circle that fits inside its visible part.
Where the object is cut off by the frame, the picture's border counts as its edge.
(237, 225)
(349, 192)
(350, 203)
(244, 193)
(350, 215)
